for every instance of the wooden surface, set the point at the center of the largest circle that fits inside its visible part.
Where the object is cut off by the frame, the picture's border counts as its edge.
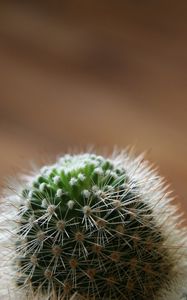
(94, 73)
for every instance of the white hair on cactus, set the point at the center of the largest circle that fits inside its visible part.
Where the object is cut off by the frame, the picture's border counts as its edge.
(148, 185)
(73, 181)
(59, 192)
(42, 186)
(86, 193)
(70, 204)
(56, 179)
(98, 171)
(81, 177)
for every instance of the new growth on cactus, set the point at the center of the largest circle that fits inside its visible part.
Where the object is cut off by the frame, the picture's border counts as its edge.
(90, 227)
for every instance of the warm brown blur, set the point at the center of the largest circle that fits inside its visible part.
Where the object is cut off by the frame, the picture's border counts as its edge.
(97, 73)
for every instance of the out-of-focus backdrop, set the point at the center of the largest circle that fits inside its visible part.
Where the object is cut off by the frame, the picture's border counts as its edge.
(103, 73)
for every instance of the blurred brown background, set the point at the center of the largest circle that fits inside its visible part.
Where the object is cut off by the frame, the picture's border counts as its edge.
(103, 73)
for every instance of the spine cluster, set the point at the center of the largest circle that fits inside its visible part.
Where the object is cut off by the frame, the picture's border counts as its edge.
(89, 227)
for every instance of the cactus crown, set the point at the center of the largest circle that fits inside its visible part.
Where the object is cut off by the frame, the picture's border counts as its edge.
(84, 228)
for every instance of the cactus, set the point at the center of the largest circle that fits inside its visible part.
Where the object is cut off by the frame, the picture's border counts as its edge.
(89, 227)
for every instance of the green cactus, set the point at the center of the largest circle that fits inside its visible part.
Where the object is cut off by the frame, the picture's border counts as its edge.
(87, 227)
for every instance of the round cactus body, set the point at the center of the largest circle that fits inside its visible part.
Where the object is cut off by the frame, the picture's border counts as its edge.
(91, 227)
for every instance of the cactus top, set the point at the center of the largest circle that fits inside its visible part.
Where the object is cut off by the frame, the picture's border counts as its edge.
(74, 183)
(85, 226)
